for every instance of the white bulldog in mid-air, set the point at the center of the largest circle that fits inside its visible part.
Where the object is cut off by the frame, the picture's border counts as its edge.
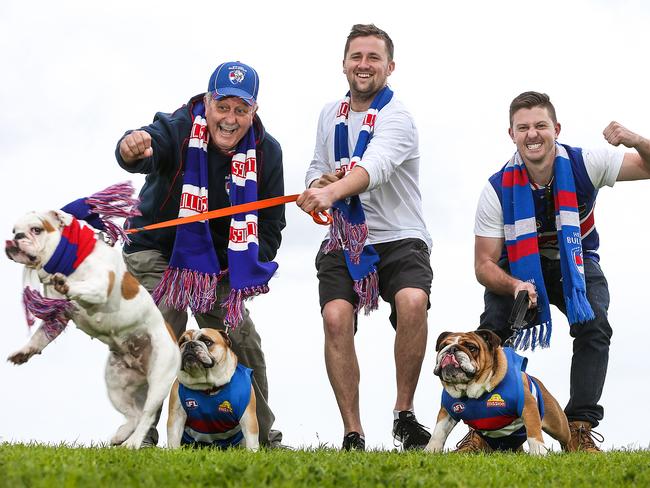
(109, 304)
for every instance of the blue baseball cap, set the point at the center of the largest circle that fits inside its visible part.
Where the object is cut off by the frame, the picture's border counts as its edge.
(234, 79)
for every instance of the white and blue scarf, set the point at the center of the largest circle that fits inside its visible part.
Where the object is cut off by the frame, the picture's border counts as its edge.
(349, 231)
(194, 271)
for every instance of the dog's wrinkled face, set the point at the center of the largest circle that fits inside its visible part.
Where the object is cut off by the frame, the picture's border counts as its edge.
(463, 357)
(35, 236)
(202, 350)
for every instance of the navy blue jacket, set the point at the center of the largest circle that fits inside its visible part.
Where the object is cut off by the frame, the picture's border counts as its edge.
(160, 195)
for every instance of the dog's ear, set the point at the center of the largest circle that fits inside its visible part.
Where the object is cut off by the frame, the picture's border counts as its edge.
(441, 338)
(491, 339)
(226, 338)
(57, 218)
(48, 224)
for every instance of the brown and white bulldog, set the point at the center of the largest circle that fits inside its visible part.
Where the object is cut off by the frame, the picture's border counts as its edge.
(471, 365)
(109, 305)
(213, 402)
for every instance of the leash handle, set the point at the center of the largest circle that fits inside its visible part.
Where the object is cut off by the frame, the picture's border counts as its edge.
(521, 317)
(518, 313)
(319, 218)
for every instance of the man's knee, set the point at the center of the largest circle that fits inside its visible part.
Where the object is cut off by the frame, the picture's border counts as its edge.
(597, 329)
(338, 318)
(411, 304)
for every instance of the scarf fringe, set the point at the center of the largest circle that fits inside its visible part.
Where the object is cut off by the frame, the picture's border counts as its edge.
(368, 291)
(115, 201)
(540, 335)
(578, 308)
(343, 234)
(234, 304)
(54, 312)
(182, 288)
(336, 232)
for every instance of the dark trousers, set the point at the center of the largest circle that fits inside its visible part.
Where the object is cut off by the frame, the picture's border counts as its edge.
(590, 340)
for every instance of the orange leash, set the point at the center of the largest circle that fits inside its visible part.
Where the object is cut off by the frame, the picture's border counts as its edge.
(320, 218)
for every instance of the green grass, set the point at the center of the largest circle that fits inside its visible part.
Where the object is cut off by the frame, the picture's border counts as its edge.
(64, 466)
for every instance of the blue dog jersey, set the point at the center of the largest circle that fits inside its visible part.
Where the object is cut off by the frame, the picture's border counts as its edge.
(496, 415)
(213, 419)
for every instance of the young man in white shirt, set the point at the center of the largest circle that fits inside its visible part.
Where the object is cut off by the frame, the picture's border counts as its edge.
(384, 175)
(534, 129)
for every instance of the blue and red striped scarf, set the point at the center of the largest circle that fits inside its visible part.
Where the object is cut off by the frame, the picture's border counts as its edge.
(349, 230)
(520, 230)
(77, 242)
(194, 270)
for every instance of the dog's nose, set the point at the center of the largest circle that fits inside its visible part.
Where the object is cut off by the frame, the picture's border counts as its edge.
(20, 235)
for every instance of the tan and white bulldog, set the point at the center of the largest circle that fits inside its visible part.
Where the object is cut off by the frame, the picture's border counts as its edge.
(213, 402)
(471, 365)
(110, 305)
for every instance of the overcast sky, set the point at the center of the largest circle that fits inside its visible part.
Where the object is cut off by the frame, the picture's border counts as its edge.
(76, 75)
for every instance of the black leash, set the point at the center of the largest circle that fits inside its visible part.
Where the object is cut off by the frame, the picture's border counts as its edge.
(521, 317)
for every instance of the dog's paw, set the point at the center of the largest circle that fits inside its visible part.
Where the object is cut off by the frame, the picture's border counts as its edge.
(433, 446)
(134, 441)
(60, 283)
(22, 356)
(131, 444)
(122, 433)
(536, 448)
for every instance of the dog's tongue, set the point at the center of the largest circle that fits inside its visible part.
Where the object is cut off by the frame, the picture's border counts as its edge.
(449, 359)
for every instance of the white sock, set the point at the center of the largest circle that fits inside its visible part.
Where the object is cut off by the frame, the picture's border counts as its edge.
(396, 413)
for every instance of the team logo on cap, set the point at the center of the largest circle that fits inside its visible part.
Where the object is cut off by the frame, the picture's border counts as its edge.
(236, 75)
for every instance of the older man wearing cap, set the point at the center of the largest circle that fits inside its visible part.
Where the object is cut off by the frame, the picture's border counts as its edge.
(209, 154)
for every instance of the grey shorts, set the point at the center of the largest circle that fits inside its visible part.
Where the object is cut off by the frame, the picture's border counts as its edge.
(402, 264)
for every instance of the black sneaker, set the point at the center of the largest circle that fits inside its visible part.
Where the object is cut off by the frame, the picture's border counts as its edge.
(352, 441)
(408, 431)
